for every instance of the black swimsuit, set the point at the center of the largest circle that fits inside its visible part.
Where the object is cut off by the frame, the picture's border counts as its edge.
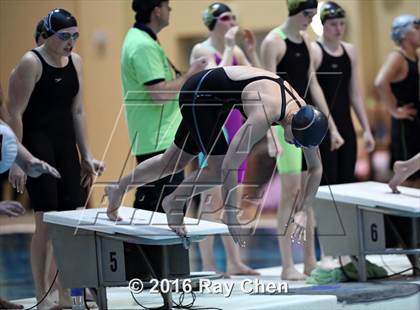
(205, 101)
(294, 68)
(405, 135)
(334, 76)
(48, 133)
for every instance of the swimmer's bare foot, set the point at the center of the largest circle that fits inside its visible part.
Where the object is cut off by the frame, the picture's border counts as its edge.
(47, 304)
(292, 274)
(64, 299)
(211, 268)
(175, 217)
(401, 173)
(307, 270)
(4, 304)
(240, 269)
(115, 196)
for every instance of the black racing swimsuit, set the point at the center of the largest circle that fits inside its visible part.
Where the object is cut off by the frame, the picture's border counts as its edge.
(405, 134)
(206, 100)
(334, 76)
(48, 133)
(294, 68)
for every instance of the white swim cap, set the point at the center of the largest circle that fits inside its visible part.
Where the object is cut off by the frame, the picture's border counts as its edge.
(8, 148)
(401, 25)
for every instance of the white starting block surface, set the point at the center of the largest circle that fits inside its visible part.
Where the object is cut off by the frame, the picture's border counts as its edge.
(351, 219)
(373, 194)
(136, 223)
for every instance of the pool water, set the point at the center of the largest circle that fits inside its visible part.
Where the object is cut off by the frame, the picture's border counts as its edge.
(15, 267)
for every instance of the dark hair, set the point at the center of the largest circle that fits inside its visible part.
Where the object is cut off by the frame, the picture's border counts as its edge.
(39, 30)
(144, 8)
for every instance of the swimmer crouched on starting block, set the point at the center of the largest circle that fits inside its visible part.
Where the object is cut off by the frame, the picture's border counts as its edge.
(206, 99)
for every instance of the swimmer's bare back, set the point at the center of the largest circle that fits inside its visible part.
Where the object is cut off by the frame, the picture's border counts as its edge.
(260, 88)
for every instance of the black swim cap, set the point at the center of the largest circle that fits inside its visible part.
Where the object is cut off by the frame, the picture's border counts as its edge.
(309, 126)
(297, 6)
(38, 30)
(58, 19)
(211, 14)
(331, 10)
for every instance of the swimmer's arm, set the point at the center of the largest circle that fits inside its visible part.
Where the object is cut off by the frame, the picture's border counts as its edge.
(313, 177)
(356, 96)
(254, 129)
(201, 51)
(316, 55)
(78, 112)
(252, 60)
(250, 49)
(388, 72)
(243, 60)
(316, 91)
(21, 84)
(3, 111)
(163, 92)
(272, 51)
(274, 148)
(23, 158)
(31, 165)
(318, 97)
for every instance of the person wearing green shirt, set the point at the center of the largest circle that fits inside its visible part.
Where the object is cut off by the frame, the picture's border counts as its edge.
(151, 94)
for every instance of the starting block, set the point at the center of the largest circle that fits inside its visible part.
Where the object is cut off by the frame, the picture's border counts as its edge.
(93, 252)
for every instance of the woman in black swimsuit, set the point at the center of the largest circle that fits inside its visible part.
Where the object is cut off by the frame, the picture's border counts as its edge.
(397, 84)
(206, 100)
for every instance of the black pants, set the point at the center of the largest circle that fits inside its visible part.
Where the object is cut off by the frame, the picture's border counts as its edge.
(150, 196)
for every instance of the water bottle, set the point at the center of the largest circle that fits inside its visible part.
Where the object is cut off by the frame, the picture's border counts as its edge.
(78, 302)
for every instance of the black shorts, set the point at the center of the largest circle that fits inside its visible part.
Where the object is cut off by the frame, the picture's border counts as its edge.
(46, 192)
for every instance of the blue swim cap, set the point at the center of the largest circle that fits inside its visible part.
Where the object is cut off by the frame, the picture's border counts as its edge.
(309, 127)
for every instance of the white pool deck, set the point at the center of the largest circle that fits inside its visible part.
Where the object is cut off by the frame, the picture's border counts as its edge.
(120, 297)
